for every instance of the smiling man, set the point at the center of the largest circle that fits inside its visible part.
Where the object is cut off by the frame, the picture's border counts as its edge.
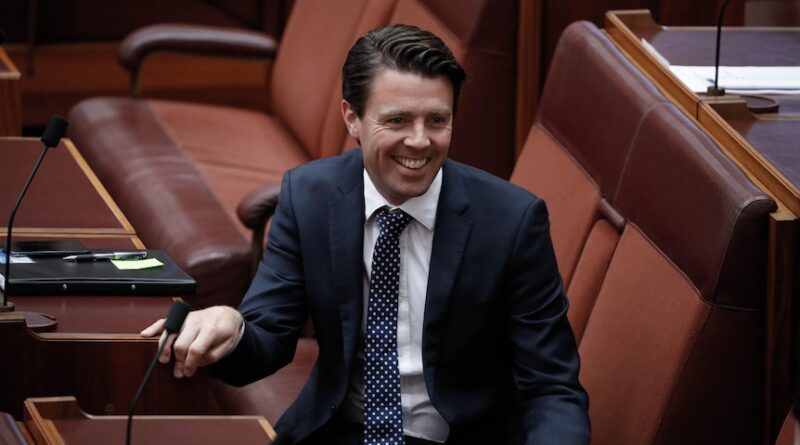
(432, 286)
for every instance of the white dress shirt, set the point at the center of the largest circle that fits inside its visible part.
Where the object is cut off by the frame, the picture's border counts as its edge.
(420, 418)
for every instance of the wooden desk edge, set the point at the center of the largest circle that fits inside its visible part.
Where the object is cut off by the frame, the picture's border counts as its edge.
(40, 412)
(741, 152)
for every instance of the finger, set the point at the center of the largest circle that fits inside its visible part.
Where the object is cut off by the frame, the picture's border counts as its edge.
(197, 353)
(180, 347)
(154, 329)
(166, 351)
(219, 351)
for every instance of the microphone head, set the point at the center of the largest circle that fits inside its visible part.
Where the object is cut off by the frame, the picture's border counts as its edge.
(54, 131)
(177, 314)
(2, 37)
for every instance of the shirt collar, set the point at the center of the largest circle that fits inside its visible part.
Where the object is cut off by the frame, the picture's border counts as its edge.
(422, 208)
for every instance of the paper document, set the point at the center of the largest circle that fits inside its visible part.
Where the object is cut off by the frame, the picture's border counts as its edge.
(16, 259)
(744, 79)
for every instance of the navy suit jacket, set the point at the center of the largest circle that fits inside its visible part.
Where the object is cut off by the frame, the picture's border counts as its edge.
(499, 358)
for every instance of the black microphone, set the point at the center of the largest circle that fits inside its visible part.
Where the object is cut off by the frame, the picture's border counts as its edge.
(2, 37)
(716, 90)
(177, 314)
(52, 135)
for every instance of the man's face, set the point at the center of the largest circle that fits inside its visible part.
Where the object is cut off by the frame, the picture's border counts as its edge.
(405, 131)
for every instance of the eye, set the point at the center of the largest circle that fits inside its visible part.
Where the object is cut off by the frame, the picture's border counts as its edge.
(397, 120)
(438, 120)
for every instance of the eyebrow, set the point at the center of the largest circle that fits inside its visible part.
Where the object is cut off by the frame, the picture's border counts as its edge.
(404, 112)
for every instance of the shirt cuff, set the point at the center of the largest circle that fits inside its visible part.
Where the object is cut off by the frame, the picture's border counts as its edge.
(238, 337)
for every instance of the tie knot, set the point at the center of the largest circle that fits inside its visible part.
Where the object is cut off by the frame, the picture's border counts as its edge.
(393, 223)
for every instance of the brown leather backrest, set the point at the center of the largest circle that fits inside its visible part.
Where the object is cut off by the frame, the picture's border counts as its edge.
(661, 240)
(306, 84)
(673, 348)
(593, 102)
(591, 109)
(482, 34)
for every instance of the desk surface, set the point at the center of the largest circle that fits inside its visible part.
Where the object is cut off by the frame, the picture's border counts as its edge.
(55, 420)
(765, 145)
(95, 351)
(64, 197)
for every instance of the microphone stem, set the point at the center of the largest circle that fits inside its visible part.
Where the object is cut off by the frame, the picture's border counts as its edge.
(11, 222)
(719, 37)
(139, 391)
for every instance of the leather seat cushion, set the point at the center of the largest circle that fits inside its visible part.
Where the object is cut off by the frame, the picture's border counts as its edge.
(174, 192)
(235, 150)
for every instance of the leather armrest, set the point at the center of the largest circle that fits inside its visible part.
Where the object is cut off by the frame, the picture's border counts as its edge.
(254, 211)
(196, 39)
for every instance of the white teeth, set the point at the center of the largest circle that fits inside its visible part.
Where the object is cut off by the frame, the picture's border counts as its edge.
(411, 163)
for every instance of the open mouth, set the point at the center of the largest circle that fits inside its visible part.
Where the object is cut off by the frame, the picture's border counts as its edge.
(414, 164)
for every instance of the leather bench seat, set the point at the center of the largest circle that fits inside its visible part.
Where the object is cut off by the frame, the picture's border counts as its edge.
(662, 242)
(185, 204)
(575, 152)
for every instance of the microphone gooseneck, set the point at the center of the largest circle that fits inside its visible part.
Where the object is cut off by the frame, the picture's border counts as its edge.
(175, 318)
(716, 90)
(52, 135)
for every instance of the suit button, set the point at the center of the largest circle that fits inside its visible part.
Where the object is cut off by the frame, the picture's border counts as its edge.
(333, 409)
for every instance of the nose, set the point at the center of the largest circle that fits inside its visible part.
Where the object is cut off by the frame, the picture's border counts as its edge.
(418, 136)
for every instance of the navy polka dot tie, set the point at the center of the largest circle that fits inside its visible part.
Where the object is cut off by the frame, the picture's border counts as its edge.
(383, 414)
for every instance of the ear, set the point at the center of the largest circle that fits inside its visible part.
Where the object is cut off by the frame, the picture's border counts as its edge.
(350, 119)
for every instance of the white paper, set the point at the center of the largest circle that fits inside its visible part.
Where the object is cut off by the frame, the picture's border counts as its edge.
(16, 259)
(747, 79)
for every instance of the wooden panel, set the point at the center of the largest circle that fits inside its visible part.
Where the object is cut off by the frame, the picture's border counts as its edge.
(58, 420)
(58, 76)
(557, 15)
(64, 197)
(529, 45)
(10, 104)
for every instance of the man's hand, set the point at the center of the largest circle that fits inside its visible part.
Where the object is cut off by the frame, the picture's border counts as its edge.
(207, 336)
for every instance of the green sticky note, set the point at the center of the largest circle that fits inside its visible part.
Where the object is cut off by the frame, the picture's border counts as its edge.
(146, 263)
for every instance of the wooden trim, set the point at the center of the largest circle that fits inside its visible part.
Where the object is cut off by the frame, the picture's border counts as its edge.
(10, 99)
(101, 190)
(529, 62)
(268, 428)
(741, 152)
(753, 162)
(66, 231)
(9, 71)
(92, 70)
(43, 430)
(40, 412)
(618, 25)
(780, 339)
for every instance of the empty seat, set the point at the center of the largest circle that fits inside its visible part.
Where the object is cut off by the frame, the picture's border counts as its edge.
(590, 111)
(662, 242)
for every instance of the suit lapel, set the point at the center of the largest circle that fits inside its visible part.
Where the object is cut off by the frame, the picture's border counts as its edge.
(449, 241)
(346, 223)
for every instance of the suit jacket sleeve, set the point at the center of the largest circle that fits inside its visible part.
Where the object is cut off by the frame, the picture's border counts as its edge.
(545, 359)
(275, 307)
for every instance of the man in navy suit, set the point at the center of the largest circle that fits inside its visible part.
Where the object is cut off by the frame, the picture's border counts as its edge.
(468, 329)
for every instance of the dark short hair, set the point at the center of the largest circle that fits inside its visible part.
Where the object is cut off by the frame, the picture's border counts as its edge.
(403, 48)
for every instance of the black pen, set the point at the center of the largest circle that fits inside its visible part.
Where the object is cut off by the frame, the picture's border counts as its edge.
(106, 256)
